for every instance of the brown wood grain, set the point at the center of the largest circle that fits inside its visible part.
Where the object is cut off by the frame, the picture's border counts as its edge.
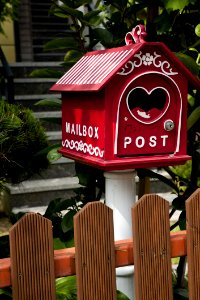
(31, 250)
(95, 257)
(151, 233)
(193, 244)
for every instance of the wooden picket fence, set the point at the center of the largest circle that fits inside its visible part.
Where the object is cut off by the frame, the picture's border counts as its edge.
(33, 265)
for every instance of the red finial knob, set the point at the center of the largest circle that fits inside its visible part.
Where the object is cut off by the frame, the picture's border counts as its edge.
(137, 35)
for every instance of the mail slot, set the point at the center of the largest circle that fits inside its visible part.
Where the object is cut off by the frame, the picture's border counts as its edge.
(126, 107)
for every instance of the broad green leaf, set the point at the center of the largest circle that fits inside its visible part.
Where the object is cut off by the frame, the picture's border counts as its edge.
(66, 288)
(54, 155)
(61, 15)
(179, 203)
(103, 35)
(175, 4)
(67, 221)
(189, 62)
(91, 14)
(73, 56)
(79, 3)
(6, 292)
(66, 204)
(193, 49)
(121, 296)
(197, 30)
(47, 149)
(191, 100)
(181, 292)
(93, 18)
(61, 43)
(51, 102)
(45, 73)
(52, 208)
(73, 12)
(163, 22)
(193, 118)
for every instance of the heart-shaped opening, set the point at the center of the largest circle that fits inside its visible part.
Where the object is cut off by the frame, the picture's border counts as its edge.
(148, 106)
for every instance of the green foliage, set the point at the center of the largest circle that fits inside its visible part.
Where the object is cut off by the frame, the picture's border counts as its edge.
(56, 103)
(175, 4)
(21, 138)
(5, 294)
(197, 30)
(193, 117)
(8, 10)
(66, 288)
(61, 213)
(46, 73)
(189, 62)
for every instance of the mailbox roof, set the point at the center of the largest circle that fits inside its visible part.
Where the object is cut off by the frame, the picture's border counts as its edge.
(96, 68)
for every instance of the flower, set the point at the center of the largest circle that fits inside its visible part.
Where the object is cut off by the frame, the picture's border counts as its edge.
(147, 59)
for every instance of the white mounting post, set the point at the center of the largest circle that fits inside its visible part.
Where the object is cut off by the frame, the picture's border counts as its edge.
(120, 195)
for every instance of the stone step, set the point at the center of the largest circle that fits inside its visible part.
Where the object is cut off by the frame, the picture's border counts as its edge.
(50, 25)
(33, 86)
(40, 192)
(62, 167)
(43, 17)
(51, 120)
(48, 114)
(42, 208)
(41, 5)
(54, 136)
(59, 56)
(23, 69)
(29, 101)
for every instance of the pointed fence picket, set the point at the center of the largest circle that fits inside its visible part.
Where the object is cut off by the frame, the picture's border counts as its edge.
(33, 265)
(193, 244)
(95, 259)
(152, 257)
(31, 251)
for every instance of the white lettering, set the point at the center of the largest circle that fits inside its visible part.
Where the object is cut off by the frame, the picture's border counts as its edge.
(139, 142)
(67, 127)
(84, 130)
(96, 132)
(72, 129)
(79, 130)
(152, 141)
(127, 141)
(90, 131)
(164, 137)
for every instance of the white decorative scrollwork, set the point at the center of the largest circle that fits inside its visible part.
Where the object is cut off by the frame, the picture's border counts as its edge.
(147, 59)
(83, 147)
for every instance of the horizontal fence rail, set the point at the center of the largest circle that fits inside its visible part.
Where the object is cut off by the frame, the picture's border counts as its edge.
(64, 259)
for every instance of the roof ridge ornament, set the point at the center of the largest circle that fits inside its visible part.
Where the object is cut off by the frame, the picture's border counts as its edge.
(137, 35)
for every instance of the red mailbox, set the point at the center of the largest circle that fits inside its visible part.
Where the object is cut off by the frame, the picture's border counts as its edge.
(126, 107)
